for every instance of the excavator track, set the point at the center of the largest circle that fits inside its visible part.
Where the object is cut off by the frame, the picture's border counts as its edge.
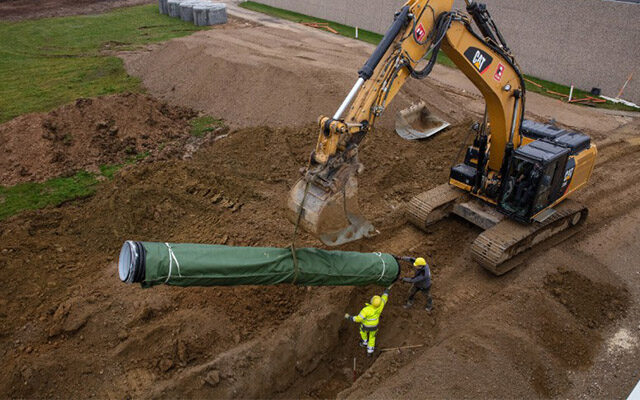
(431, 206)
(504, 246)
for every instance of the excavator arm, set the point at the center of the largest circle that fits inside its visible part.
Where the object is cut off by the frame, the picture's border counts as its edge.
(324, 202)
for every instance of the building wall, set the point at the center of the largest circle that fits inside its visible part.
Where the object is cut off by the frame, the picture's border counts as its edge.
(590, 43)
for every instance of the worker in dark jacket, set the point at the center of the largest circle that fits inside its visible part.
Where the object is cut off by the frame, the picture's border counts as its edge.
(421, 281)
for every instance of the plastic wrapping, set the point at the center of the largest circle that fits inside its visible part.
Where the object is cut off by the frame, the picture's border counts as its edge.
(152, 264)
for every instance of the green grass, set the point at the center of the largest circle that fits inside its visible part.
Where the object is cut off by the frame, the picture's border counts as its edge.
(31, 196)
(201, 125)
(48, 62)
(374, 38)
(577, 93)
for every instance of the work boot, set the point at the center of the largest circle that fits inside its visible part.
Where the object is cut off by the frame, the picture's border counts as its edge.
(370, 351)
(408, 304)
(428, 308)
(364, 343)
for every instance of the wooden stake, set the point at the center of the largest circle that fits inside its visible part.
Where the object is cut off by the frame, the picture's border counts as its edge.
(624, 86)
(533, 83)
(571, 93)
(354, 369)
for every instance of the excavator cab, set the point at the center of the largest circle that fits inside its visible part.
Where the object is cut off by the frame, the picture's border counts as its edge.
(534, 180)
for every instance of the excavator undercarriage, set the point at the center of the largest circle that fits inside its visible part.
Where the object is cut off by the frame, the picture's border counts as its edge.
(504, 243)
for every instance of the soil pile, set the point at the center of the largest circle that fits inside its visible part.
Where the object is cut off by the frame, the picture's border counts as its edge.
(87, 134)
(269, 74)
(231, 192)
(15, 10)
(70, 325)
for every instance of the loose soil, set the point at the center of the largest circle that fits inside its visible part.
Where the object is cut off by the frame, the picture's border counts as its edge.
(87, 134)
(69, 328)
(15, 10)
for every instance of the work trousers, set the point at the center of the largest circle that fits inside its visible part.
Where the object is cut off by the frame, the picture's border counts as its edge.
(368, 335)
(427, 293)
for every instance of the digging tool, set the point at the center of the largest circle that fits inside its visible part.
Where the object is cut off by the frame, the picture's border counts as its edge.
(417, 122)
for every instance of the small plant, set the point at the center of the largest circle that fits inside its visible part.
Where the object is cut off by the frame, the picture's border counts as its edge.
(201, 125)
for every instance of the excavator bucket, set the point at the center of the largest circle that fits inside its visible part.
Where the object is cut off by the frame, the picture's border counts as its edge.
(329, 212)
(417, 122)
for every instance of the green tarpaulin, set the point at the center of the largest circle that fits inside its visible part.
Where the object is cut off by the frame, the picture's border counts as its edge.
(216, 265)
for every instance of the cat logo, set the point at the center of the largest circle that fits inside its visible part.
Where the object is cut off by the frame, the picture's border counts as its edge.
(478, 58)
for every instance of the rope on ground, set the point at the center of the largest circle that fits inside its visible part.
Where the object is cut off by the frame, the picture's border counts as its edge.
(296, 268)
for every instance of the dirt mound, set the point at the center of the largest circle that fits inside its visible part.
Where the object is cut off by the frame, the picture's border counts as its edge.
(233, 192)
(268, 74)
(595, 304)
(87, 134)
(14, 10)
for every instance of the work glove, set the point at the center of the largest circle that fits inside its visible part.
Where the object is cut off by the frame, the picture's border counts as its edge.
(347, 316)
(406, 279)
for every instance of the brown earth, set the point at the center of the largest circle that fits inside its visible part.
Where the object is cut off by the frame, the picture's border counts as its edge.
(87, 134)
(71, 329)
(15, 10)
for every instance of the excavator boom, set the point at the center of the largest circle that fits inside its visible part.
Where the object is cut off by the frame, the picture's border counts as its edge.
(324, 202)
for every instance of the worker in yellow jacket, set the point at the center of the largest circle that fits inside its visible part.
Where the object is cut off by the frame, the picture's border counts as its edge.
(369, 318)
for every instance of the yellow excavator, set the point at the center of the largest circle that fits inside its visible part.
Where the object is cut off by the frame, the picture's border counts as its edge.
(516, 176)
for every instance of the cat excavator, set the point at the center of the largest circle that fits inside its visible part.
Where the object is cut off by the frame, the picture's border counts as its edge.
(515, 177)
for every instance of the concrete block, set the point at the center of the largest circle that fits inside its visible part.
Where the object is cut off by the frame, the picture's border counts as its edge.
(209, 14)
(173, 8)
(217, 14)
(162, 7)
(186, 11)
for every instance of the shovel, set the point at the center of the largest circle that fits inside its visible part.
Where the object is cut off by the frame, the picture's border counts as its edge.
(417, 122)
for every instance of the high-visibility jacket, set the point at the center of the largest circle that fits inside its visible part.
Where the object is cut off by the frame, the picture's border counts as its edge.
(370, 316)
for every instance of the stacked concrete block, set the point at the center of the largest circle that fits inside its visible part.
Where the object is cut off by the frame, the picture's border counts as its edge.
(162, 5)
(200, 12)
(173, 7)
(217, 14)
(186, 10)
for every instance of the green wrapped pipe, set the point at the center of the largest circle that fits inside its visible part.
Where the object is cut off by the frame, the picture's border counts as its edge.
(183, 264)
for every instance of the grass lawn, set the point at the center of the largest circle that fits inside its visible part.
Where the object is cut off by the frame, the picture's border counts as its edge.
(31, 196)
(374, 38)
(48, 62)
(53, 192)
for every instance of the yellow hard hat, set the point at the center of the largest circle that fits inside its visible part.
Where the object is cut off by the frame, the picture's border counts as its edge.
(419, 262)
(376, 301)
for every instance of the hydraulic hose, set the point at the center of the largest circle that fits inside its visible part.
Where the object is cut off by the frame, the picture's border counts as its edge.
(401, 19)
